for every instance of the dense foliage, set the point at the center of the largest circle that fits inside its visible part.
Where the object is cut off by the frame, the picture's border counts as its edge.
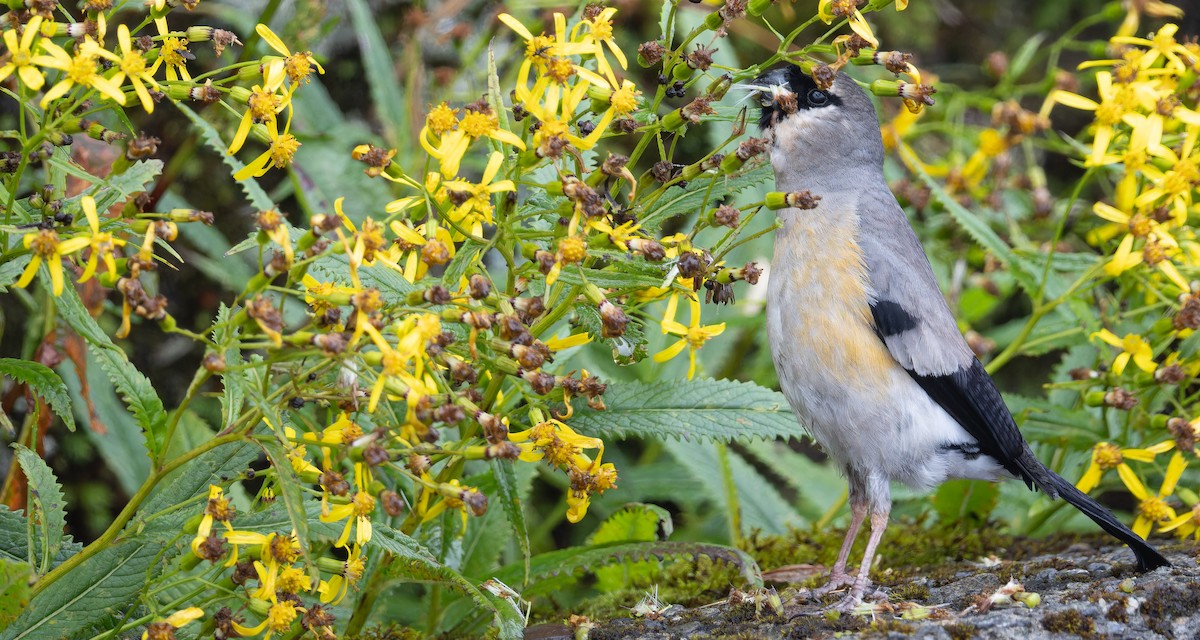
(472, 344)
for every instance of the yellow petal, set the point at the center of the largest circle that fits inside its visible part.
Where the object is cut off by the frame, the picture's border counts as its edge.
(1090, 478)
(271, 39)
(1132, 482)
(671, 351)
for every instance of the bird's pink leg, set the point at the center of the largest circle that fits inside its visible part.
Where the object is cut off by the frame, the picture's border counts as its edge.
(858, 586)
(838, 577)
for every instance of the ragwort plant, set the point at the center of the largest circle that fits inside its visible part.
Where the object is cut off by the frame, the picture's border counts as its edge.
(379, 368)
(388, 379)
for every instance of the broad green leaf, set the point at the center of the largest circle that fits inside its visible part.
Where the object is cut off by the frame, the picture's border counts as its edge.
(718, 410)
(45, 382)
(219, 466)
(106, 583)
(134, 387)
(972, 500)
(760, 505)
(15, 578)
(411, 561)
(635, 522)
(816, 486)
(47, 507)
(14, 540)
(578, 560)
(258, 198)
(386, 95)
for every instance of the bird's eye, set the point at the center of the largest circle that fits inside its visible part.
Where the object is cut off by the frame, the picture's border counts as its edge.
(817, 98)
(765, 99)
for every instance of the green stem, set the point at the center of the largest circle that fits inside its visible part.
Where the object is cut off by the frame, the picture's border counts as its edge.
(114, 530)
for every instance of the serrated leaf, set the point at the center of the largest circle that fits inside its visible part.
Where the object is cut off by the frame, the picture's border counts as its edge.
(123, 445)
(258, 198)
(1024, 271)
(233, 379)
(134, 387)
(575, 560)
(47, 384)
(46, 504)
(759, 503)
(509, 495)
(290, 490)
(697, 193)
(133, 180)
(15, 578)
(218, 466)
(718, 410)
(635, 522)
(14, 540)
(106, 583)
(411, 560)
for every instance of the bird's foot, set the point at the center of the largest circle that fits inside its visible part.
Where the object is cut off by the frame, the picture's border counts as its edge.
(837, 580)
(860, 590)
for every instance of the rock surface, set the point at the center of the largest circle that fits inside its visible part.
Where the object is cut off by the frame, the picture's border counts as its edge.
(1080, 593)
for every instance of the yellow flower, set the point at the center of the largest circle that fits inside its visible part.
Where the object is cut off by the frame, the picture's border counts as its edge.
(599, 37)
(1161, 44)
(263, 105)
(166, 628)
(544, 53)
(22, 60)
(692, 336)
(1177, 184)
(335, 589)
(1107, 456)
(1116, 100)
(101, 243)
(553, 441)
(1185, 524)
(477, 208)
(827, 10)
(1132, 347)
(46, 247)
(280, 618)
(275, 552)
(80, 69)
(408, 247)
(279, 152)
(174, 54)
(356, 512)
(451, 144)
(131, 64)
(217, 509)
(1153, 508)
(556, 113)
(298, 65)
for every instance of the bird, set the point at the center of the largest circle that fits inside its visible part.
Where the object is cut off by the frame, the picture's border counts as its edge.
(867, 350)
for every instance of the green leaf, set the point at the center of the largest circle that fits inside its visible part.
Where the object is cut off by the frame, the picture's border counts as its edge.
(48, 508)
(718, 410)
(218, 466)
(106, 583)
(15, 578)
(635, 522)
(113, 189)
(258, 198)
(412, 561)
(14, 540)
(11, 270)
(47, 383)
(122, 445)
(290, 490)
(1025, 271)
(509, 494)
(973, 500)
(577, 560)
(697, 194)
(386, 94)
(759, 503)
(816, 486)
(233, 378)
(135, 388)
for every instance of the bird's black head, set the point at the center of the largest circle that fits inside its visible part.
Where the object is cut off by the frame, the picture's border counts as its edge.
(787, 90)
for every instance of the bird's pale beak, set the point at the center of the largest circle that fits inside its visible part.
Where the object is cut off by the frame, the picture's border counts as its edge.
(771, 78)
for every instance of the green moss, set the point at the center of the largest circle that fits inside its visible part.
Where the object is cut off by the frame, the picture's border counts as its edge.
(1117, 612)
(1167, 602)
(960, 630)
(1070, 621)
(911, 591)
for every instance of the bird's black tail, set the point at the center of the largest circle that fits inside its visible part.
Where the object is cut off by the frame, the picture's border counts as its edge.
(1055, 485)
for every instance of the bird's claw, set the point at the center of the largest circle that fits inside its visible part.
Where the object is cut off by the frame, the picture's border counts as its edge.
(837, 580)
